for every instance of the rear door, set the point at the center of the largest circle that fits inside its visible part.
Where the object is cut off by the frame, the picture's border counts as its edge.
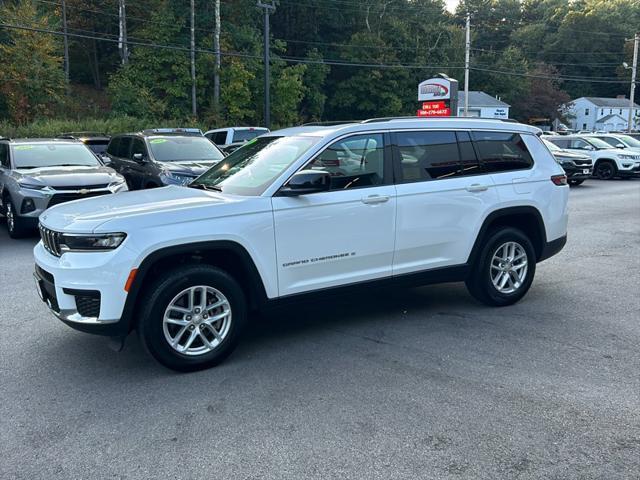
(442, 196)
(343, 236)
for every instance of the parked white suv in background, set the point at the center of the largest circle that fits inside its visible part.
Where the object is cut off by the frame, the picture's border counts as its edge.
(608, 161)
(301, 211)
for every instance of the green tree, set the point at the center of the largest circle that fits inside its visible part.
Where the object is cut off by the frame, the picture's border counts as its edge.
(31, 78)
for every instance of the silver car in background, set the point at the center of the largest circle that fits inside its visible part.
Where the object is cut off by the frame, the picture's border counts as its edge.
(36, 174)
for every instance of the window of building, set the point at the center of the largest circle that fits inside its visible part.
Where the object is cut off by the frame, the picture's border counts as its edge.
(586, 112)
(584, 126)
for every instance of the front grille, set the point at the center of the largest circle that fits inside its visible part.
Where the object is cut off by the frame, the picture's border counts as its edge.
(51, 240)
(585, 162)
(88, 305)
(67, 197)
(81, 187)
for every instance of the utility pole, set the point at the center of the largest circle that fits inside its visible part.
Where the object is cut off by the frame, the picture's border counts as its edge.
(467, 50)
(66, 42)
(122, 34)
(216, 48)
(634, 69)
(268, 9)
(194, 106)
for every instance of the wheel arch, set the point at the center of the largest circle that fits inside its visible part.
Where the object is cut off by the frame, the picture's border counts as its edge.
(227, 255)
(528, 219)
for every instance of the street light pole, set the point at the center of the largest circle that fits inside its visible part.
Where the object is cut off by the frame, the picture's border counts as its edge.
(194, 106)
(634, 68)
(268, 9)
(467, 49)
(66, 42)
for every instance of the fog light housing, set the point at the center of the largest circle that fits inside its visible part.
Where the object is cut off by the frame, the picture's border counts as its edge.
(28, 205)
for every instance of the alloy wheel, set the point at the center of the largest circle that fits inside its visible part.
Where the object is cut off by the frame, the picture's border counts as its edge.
(509, 266)
(197, 320)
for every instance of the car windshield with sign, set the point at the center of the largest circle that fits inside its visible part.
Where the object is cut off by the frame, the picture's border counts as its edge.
(53, 155)
(250, 170)
(181, 149)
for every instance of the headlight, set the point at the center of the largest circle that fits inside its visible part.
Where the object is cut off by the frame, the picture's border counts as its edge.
(181, 179)
(91, 243)
(117, 184)
(31, 186)
(627, 157)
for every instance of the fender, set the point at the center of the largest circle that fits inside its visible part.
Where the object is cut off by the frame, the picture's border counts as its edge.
(257, 293)
(508, 212)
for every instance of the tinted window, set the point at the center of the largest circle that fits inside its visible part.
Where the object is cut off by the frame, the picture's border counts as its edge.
(579, 144)
(113, 146)
(177, 149)
(245, 135)
(97, 146)
(502, 151)
(353, 162)
(220, 138)
(560, 143)
(52, 155)
(123, 147)
(4, 155)
(138, 147)
(468, 159)
(427, 155)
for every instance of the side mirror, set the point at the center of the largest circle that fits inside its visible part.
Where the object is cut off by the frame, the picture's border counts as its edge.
(139, 157)
(305, 182)
(620, 145)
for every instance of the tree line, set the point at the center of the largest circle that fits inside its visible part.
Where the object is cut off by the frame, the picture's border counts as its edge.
(331, 59)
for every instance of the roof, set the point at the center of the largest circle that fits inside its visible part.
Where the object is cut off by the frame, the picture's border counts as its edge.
(481, 99)
(609, 102)
(405, 123)
(40, 140)
(610, 117)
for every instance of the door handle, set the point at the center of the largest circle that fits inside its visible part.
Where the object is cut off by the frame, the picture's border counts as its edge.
(476, 187)
(373, 199)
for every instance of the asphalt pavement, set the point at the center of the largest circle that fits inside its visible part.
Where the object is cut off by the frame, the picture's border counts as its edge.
(423, 383)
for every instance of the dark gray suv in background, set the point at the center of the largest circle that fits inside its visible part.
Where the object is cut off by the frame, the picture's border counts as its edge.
(36, 174)
(163, 156)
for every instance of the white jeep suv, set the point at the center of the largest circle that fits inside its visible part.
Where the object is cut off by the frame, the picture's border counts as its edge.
(301, 211)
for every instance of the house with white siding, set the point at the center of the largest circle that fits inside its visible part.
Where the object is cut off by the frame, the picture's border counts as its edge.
(602, 114)
(483, 105)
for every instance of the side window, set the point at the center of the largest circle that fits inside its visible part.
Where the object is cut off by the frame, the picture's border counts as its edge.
(353, 162)
(4, 155)
(220, 138)
(502, 151)
(123, 147)
(112, 149)
(469, 164)
(138, 147)
(579, 144)
(561, 143)
(427, 155)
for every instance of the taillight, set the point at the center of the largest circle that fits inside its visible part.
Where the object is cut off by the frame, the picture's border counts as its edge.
(559, 180)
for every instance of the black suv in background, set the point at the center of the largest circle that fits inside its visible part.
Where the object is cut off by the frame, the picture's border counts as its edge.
(578, 167)
(96, 141)
(162, 156)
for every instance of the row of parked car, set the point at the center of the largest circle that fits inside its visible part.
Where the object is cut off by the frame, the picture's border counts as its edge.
(36, 174)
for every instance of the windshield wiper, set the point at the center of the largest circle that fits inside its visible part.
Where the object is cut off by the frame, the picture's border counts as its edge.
(202, 186)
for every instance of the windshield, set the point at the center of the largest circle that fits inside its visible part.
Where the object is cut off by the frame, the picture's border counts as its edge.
(552, 146)
(629, 141)
(180, 149)
(53, 155)
(252, 168)
(599, 144)
(248, 134)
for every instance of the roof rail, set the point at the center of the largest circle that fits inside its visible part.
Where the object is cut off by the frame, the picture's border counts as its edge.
(387, 119)
(173, 131)
(330, 123)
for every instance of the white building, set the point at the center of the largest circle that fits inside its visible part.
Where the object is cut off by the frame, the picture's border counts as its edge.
(604, 114)
(483, 105)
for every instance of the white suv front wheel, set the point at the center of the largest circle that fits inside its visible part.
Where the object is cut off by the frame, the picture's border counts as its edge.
(504, 270)
(192, 317)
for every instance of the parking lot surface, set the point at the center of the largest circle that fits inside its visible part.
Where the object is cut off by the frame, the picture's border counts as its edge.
(423, 383)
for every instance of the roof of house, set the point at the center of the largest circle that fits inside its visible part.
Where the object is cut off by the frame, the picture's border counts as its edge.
(610, 117)
(481, 99)
(610, 102)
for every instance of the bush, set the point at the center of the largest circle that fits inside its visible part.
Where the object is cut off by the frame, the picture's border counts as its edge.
(111, 126)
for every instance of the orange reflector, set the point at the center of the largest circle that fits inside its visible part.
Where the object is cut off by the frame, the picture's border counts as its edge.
(132, 276)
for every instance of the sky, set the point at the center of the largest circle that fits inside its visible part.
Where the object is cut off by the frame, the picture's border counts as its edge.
(451, 4)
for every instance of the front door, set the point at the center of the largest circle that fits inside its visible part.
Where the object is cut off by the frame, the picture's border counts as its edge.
(345, 235)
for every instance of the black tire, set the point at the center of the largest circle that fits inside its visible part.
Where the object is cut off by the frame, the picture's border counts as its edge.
(15, 224)
(575, 183)
(480, 284)
(160, 295)
(605, 170)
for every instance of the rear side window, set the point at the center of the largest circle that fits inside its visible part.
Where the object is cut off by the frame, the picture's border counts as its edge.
(219, 138)
(123, 147)
(4, 155)
(138, 147)
(434, 155)
(502, 151)
(113, 146)
(246, 135)
(560, 143)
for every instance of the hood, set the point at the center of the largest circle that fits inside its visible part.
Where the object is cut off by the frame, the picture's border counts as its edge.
(568, 154)
(189, 167)
(75, 176)
(146, 208)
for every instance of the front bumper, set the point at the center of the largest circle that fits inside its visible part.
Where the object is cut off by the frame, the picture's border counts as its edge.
(85, 290)
(631, 172)
(577, 172)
